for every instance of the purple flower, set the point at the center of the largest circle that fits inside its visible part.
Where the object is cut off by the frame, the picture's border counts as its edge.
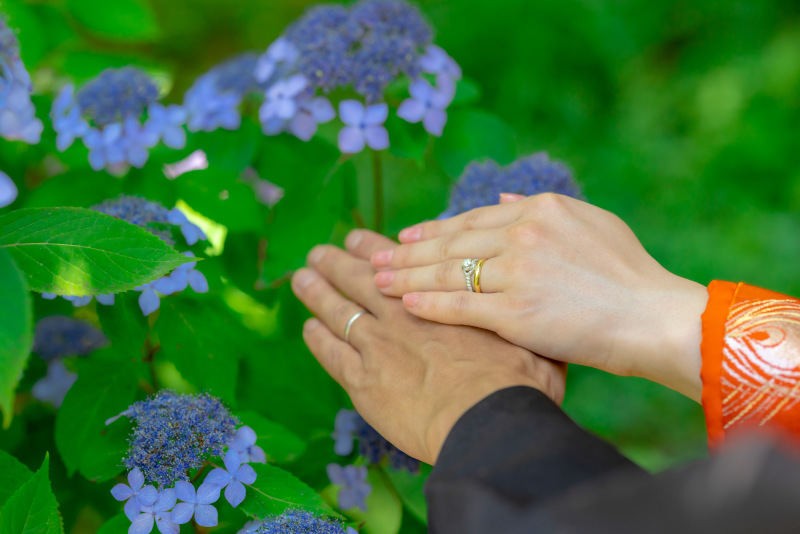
(59, 336)
(244, 444)
(428, 104)
(436, 61)
(175, 434)
(232, 478)
(158, 514)
(17, 115)
(214, 98)
(8, 190)
(67, 120)
(197, 504)
(344, 428)
(135, 493)
(166, 124)
(355, 488)
(310, 113)
(281, 101)
(363, 126)
(55, 384)
(481, 183)
(281, 51)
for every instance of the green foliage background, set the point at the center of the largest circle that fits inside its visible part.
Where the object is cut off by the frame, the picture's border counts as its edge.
(679, 116)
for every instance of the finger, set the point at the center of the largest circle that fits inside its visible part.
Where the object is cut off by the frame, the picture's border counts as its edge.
(446, 276)
(477, 219)
(459, 308)
(474, 244)
(339, 359)
(350, 275)
(330, 307)
(363, 243)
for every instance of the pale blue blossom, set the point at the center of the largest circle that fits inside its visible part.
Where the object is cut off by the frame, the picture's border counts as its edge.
(244, 444)
(363, 126)
(135, 493)
(196, 503)
(354, 486)
(232, 478)
(280, 53)
(67, 120)
(158, 514)
(428, 104)
(436, 61)
(17, 114)
(55, 384)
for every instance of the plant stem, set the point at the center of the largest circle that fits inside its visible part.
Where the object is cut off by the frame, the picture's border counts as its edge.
(377, 177)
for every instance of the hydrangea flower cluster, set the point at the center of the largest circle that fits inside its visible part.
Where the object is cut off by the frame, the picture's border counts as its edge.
(154, 218)
(297, 522)
(175, 435)
(481, 183)
(17, 115)
(57, 337)
(108, 114)
(371, 445)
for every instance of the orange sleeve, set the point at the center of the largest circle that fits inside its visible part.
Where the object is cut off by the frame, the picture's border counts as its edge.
(751, 361)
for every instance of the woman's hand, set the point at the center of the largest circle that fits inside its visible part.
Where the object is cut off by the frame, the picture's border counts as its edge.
(410, 379)
(563, 279)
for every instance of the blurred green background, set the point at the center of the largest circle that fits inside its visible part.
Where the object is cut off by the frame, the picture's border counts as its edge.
(679, 116)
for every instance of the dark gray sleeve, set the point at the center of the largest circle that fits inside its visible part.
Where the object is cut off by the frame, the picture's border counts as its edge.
(515, 463)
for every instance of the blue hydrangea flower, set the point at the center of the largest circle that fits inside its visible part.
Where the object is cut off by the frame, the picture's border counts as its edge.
(428, 104)
(8, 190)
(481, 183)
(281, 99)
(436, 61)
(17, 115)
(300, 521)
(59, 336)
(136, 494)
(371, 445)
(232, 478)
(280, 54)
(244, 444)
(175, 433)
(182, 276)
(353, 480)
(363, 126)
(196, 503)
(249, 527)
(108, 113)
(158, 514)
(55, 384)
(214, 98)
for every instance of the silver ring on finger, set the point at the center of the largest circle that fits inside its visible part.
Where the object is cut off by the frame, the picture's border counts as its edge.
(468, 267)
(350, 322)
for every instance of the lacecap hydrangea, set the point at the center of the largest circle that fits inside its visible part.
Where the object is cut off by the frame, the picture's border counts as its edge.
(298, 522)
(481, 183)
(119, 118)
(17, 114)
(174, 439)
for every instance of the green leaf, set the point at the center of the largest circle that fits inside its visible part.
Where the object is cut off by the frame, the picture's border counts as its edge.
(279, 443)
(119, 524)
(409, 487)
(103, 390)
(124, 325)
(120, 20)
(219, 195)
(76, 251)
(16, 321)
(467, 92)
(408, 140)
(474, 135)
(13, 474)
(204, 342)
(33, 508)
(276, 490)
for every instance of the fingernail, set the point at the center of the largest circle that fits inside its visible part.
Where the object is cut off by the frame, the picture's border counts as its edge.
(384, 279)
(315, 256)
(303, 278)
(410, 235)
(353, 239)
(310, 325)
(382, 258)
(410, 300)
(505, 198)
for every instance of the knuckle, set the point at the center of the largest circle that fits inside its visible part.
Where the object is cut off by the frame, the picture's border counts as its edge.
(446, 245)
(461, 302)
(549, 202)
(342, 313)
(471, 220)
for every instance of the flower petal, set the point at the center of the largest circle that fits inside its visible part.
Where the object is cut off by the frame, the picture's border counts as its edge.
(132, 509)
(166, 500)
(303, 126)
(336, 474)
(206, 515)
(185, 491)
(434, 121)
(351, 140)
(351, 112)
(257, 455)
(8, 190)
(411, 110)
(166, 525)
(218, 477)
(235, 493)
(246, 474)
(148, 495)
(232, 461)
(149, 301)
(121, 492)
(135, 479)
(142, 524)
(377, 137)
(207, 493)
(321, 109)
(198, 282)
(246, 436)
(376, 114)
(183, 512)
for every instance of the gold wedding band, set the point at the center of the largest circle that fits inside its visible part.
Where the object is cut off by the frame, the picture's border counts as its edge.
(477, 283)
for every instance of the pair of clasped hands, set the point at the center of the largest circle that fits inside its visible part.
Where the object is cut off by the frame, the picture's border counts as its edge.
(563, 282)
